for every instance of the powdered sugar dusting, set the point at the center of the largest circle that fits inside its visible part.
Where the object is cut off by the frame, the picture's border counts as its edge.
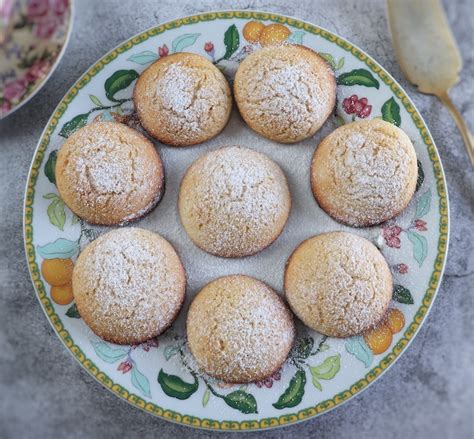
(109, 171)
(176, 88)
(183, 99)
(365, 172)
(338, 283)
(186, 96)
(128, 285)
(282, 93)
(239, 330)
(234, 201)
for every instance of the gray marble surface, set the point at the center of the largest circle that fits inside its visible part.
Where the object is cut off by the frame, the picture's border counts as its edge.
(428, 393)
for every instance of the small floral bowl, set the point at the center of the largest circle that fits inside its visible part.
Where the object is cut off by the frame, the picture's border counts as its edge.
(38, 34)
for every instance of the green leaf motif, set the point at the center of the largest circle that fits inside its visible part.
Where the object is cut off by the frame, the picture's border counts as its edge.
(242, 401)
(59, 249)
(96, 101)
(205, 397)
(326, 370)
(170, 351)
(293, 394)
(107, 353)
(340, 121)
(73, 312)
(73, 125)
(357, 347)
(296, 37)
(324, 347)
(329, 59)
(180, 43)
(143, 58)
(340, 64)
(316, 383)
(303, 348)
(50, 166)
(231, 41)
(120, 80)
(402, 295)
(51, 196)
(56, 213)
(391, 112)
(423, 204)
(140, 381)
(421, 176)
(358, 77)
(420, 246)
(175, 387)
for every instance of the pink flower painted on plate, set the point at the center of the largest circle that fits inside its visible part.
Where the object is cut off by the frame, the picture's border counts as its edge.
(46, 27)
(420, 225)
(402, 268)
(356, 106)
(46, 16)
(5, 107)
(391, 235)
(36, 9)
(6, 7)
(37, 70)
(268, 382)
(209, 47)
(15, 89)
(163, 50)
(59, 6)
(125, 366)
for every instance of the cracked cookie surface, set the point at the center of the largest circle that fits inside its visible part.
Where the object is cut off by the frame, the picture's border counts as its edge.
(108, 173)
(182, 99)
(338, 284)
(239, 330)
(364, 173)
(285, 92)
(129, 285)
(234, 202)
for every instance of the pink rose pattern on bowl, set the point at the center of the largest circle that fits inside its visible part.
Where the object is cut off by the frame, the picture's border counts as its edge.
(31, 50)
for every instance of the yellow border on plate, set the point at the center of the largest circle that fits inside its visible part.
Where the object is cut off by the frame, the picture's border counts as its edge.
(268, 422)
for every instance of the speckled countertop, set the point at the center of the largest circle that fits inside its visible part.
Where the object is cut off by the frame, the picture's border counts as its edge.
(428, 393)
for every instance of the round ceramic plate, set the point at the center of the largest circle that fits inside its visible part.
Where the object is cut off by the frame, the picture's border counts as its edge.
(321, 373)
(37, 33)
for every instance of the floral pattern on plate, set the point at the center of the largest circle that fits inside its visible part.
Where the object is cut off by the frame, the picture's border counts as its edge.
(37, 32)
(321, 372)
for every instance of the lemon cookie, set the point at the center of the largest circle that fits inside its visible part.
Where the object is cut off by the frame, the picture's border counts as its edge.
(129, 285)
(364, 173)
(285, 92)
(234, 202)
(108, 173)
(182, 99)
(239, 330)
(338, 284)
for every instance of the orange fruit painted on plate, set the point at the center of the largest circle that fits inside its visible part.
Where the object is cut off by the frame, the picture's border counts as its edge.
(379, 339)
(274, 34)
(57, 271)
(62, 294)
(253, 30)
(395, 320)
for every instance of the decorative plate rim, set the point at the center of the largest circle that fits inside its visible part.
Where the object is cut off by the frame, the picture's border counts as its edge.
(273, 422)
(53, 68)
